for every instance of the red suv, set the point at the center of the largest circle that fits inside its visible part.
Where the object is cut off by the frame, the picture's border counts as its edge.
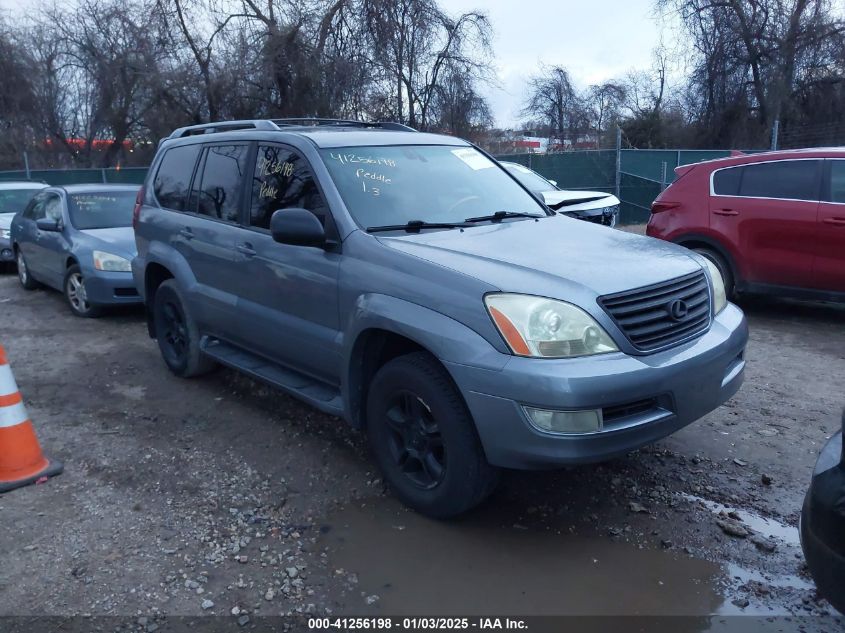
(773, 223)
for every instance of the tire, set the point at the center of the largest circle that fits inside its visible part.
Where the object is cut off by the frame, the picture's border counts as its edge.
(177, 334)
(27, 282)
(76, 295)
(724, 268)
(423, 438)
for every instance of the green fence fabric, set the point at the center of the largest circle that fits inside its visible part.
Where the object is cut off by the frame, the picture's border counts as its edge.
(127, 175)
(573, 170)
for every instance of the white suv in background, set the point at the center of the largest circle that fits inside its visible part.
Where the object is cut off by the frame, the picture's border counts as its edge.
(594, 206)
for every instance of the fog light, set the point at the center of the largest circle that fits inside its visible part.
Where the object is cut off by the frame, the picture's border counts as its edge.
(7, 254)
(565, 421)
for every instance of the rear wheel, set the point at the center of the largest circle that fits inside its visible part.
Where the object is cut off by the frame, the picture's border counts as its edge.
(177, 335)
(77, 295)
(424, 439)
(722, 265)
(24, 277)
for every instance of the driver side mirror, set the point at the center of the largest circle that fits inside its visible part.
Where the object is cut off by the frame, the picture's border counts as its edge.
(554, 182)
(49, 224)
(298, 227)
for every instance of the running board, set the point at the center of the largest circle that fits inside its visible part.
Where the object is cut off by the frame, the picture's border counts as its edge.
(316, 393)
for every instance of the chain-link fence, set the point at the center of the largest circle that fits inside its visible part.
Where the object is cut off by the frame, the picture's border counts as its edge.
(636, 176)
(126, 175)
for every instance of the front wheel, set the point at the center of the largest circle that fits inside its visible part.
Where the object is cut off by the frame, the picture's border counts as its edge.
(24, 277)
(424, 440)
(77, 295)
(177, 335)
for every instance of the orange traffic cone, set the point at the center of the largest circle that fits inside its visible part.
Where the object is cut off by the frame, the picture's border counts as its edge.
(21, 459)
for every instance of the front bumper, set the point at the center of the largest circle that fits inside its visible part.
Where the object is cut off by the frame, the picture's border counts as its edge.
(643, 398)
(6, 252)
(109, 288)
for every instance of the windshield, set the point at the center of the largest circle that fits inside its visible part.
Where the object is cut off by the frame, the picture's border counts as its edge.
(531, 179)
(395, 185)
(101, 210)
(14, 200)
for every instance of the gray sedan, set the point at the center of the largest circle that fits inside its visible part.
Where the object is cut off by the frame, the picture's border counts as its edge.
(79, 240)
(14, 196)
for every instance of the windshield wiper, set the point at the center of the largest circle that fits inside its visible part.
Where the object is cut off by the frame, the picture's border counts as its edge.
(414, 226)
(502, 215)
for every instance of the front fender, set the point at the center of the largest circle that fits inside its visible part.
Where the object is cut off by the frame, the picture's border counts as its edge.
(447, 339)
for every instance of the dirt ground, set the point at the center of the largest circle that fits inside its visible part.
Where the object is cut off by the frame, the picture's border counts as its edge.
(221, 496)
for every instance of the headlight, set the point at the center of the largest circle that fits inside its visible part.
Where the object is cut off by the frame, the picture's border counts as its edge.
(5, 234)
(111, 263)
(720, 299)
(536, 326)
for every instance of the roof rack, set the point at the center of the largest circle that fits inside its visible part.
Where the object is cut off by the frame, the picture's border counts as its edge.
(223, 126)
(318, 121)
(277, 124)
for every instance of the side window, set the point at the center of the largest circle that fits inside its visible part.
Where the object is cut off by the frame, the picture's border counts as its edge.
(223, 175)
(52, 207)
(837, 181)
(283, 180)
(173, 177)
(726, 181)
(786, 179)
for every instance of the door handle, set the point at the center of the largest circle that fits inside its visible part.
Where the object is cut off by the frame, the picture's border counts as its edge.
(725, 212)
(835, 221)
(246, 249)
(187, 233)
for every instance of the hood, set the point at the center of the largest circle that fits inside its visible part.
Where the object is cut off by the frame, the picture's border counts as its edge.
(551, 257)
(119, 240)
(6, 220)
(565, 201)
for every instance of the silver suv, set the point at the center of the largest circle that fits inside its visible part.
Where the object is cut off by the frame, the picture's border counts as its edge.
(409, 284)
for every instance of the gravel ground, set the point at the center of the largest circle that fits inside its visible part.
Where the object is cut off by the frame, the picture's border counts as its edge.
(221, 496)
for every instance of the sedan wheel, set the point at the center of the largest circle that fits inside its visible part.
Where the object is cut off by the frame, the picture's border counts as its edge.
(77, 295)
(23, 274)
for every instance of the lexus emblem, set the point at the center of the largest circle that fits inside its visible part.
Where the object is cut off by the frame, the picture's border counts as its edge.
(678, 309)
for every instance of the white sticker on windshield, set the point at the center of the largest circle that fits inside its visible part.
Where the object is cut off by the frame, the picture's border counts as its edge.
(473, 158)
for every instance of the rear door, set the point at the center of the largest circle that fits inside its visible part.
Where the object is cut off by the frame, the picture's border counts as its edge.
(25, 233)
(289, 304)
(207, 203)
(829, 263)
(49, 250)
(768, 211)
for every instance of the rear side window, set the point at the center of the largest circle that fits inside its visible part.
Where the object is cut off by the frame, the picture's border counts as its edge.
(173, 177)
(223, 175)
(35, 210)
(837, 181)
(726, 181)
(283, 180)
(786, 179)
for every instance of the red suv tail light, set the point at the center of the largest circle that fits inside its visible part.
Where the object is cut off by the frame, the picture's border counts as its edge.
(136, 212)
(659, 205)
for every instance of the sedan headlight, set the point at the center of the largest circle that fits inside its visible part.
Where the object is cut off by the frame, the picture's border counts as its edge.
(720, 299)
(5, 234)
(540, 327)
(111, 263)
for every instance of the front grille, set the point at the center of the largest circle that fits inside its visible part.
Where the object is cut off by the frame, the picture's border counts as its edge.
(660, 315)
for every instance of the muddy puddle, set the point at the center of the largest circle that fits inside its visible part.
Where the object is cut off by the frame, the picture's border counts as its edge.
(475, 566)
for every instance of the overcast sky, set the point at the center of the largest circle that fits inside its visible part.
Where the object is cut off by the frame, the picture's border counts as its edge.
(595, 40)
